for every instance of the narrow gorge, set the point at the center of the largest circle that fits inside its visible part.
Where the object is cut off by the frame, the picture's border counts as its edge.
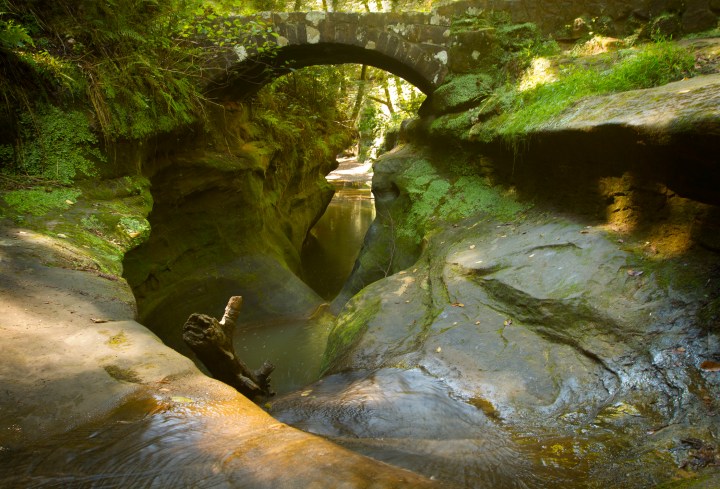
(535, 303)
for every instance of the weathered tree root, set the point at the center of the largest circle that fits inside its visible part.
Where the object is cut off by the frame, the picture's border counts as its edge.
(212, 342)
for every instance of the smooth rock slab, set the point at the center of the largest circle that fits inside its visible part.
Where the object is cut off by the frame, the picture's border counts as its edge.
(91, 398)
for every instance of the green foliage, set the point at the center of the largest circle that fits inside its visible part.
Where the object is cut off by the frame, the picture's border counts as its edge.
(297, 115)
(13, 35)
(39, 201)
(515, 45)
(653, 65)
(131, 61)
(386, 101)
(56, 145)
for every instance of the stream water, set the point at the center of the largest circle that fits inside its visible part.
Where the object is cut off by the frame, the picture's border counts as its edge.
(295, 346)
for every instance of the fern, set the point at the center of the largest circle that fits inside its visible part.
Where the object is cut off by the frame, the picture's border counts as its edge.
(57, 145)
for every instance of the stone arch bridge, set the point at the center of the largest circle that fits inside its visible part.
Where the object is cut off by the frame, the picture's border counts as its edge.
(420, 47)
(415, 46)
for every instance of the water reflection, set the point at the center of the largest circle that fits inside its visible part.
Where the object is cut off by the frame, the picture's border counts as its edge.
(294, 346)
(334, 243)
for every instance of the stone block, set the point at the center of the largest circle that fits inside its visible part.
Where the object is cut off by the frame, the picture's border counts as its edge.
(374, 20)
(433, 34)
(384, 41)
(327, 31)
(344, 18)
(301, 30)
(344, 34)
(296, 18)
(291, 33)
(415, 55)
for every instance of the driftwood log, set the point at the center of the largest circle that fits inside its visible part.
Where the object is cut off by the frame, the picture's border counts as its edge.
(212, 342)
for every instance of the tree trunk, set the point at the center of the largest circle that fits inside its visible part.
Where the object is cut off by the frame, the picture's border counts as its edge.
(360, 95)
(212, 342)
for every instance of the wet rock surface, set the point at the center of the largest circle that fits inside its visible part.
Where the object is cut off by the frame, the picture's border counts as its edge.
(409, 419)
(91, 398)
(580, 339)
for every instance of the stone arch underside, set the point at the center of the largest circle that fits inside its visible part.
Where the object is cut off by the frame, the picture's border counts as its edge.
(409, 47)
(248, 77)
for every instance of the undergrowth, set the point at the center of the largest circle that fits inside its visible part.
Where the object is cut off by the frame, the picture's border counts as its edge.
(520, 111)
(76, 73)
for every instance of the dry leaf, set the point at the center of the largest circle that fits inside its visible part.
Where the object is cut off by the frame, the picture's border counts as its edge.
(457, 304)
(507, 322)
(95, 320)
(710, 366)
(634, 273)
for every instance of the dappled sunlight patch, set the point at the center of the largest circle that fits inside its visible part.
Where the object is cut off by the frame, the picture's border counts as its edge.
(541, 72)
(659, 223)
(598, 45)
(405, 282)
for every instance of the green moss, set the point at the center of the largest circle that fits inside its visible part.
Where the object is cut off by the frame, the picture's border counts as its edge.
(40, 201)
(136, 228)
(434, 198)
(57, 145)
(461, 92)
(456, 125)
(470, 195)
(652, 65)
(122, 374)
(118, 340)
(704, 480)
(349, 328)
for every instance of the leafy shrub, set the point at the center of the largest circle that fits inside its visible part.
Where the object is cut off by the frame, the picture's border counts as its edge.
(57, 145)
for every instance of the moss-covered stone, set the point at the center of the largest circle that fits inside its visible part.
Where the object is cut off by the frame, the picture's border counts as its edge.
(349, 328)
(461, 93)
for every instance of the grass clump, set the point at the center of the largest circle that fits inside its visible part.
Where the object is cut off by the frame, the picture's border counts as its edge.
(520, 111)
